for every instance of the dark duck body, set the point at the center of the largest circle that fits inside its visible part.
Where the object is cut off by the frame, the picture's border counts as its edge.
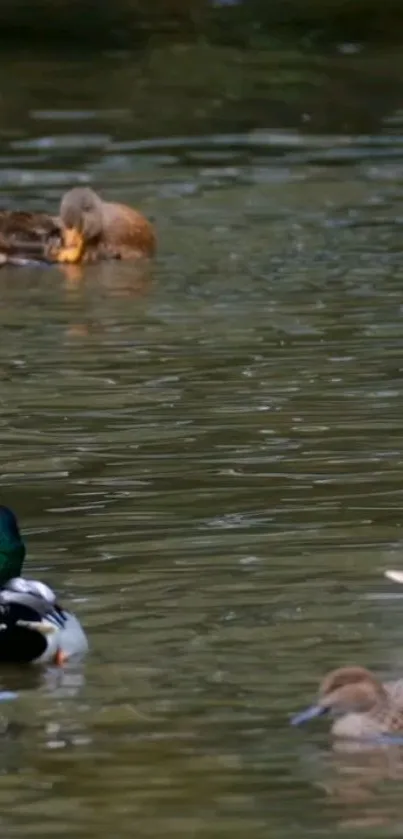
(33, 626)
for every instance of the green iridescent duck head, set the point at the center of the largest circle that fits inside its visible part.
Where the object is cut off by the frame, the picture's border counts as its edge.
(12, 548)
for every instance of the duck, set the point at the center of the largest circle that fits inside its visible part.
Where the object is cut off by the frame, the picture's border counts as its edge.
(364, 707)
(94, 229)
(28, 237)
(86, 230)
(34, 627)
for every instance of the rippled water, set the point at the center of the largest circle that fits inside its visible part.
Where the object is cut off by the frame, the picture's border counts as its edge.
(207, 458)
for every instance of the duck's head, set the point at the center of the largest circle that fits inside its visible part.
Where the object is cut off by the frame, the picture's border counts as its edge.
(81, 210)
(82, 220)
(345, 690)
(12, 548)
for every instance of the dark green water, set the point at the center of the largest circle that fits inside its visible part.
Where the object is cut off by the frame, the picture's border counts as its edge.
(207, 461)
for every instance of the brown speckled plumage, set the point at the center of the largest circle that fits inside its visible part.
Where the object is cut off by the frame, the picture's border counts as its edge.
(28, 235)
(87, 230)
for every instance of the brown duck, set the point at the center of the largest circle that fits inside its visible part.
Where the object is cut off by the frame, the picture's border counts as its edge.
(27, 236)
(365, 708)
(87, 229)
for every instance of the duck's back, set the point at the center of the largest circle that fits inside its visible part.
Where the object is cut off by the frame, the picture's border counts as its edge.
(127, 231)
(395, 691)
(27, 234)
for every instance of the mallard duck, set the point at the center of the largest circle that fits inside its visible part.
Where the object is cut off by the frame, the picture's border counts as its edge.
(26, 237)
(364, 706)
(33, 626)
(94, 229)
(87, 229)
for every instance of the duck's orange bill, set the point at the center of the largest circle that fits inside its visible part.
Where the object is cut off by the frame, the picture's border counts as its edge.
(73, 246)
(60, 658)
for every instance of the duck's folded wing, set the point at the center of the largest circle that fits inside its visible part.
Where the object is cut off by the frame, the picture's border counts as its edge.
(25, 602)
(29, 235)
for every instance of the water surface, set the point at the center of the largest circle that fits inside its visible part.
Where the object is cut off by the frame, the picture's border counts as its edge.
(206, 457)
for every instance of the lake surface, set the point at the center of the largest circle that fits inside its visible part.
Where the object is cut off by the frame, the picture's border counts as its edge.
(207, 457)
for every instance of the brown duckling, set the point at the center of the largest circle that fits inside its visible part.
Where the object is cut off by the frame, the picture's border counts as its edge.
(364, 706)
(93, 229)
